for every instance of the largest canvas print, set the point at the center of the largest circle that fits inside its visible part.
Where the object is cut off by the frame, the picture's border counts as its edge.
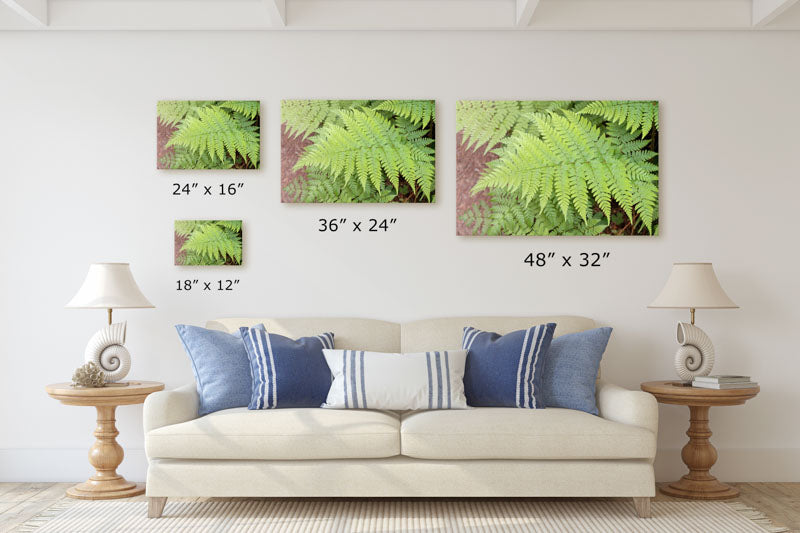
(358, 151)
(533, 167)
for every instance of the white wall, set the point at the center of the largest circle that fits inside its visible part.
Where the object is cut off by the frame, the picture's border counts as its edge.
(77, 149)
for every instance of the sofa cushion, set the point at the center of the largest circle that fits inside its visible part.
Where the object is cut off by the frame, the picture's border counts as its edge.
(220, 365)
(509, 433)
(280, 434)
(506, 370)
(398, 381)
(286, 372)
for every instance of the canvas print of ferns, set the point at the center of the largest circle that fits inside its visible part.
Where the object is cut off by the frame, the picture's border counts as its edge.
(557, 167)
(358, 151)
(208, 242)
(208, 134)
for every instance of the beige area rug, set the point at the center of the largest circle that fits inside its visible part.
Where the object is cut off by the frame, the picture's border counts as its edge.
(564, 516)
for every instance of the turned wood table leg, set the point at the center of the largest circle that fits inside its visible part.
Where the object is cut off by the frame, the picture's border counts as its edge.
(699, 455)
(105, 456)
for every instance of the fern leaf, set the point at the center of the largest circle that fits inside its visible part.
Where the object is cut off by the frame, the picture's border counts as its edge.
(419, 112)
(570, 162)
(233, 225)
(171, 112)
(306, 117)
(367, 147)
(490, 121)
(247, 108)
(184, 228)
(215, 243)
(215, 133)
(633, 114)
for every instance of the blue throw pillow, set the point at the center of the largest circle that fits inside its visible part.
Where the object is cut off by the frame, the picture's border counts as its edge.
(220, 365)
(286, 372)
(506, 371)
(570, 370)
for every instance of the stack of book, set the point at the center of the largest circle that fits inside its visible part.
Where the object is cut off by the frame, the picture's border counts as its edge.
(723, 382)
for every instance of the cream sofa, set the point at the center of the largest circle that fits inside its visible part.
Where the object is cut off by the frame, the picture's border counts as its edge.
(481, 452)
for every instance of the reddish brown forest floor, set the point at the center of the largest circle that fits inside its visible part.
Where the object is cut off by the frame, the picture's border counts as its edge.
(291, 150)
(469, 165)
(163, 135)
(179, 255)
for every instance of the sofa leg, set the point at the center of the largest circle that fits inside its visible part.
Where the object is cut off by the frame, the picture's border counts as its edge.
(155, 506)
(642, 506)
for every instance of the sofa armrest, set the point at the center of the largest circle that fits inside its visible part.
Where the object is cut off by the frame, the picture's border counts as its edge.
(632, 407)
(169, 407)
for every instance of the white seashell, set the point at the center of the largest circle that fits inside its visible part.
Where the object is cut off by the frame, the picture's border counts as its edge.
(695, 357)
(106, 350)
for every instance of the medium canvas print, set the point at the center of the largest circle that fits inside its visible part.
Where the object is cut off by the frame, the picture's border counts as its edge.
(358, 151)
(208, 242)
(557, 167)
(208, 134)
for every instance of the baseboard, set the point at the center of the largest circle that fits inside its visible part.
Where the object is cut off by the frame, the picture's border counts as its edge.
(52, 464)
(738, 464)
(69, 464)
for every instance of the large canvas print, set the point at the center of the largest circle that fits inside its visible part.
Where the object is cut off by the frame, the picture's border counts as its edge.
(208, 134)
(358, 151)
(557, 167)
(208, 242)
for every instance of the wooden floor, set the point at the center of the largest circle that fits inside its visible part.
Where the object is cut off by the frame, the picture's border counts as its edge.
(21, 501)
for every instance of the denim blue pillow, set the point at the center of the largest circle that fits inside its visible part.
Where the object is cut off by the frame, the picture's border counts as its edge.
(570, 370)
(286, 372)
(506, 371)
(220, 365)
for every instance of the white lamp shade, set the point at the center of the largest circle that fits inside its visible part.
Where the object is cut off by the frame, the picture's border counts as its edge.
(693, 286)
(109, 286)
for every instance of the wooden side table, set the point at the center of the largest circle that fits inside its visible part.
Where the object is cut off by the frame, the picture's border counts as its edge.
(698, 454)
(106, 454)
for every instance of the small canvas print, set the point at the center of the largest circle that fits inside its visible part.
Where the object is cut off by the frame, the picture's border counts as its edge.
(358, 151)
(532, 167)
(208, 134)
(208, 242)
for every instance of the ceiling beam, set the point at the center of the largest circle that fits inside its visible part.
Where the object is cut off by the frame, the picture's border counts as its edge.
(34, 11)
(525, 9)
(765, 11)
(277, 9)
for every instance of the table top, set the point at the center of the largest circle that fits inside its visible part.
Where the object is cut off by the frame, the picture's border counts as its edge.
(132, 393)
(674, 392)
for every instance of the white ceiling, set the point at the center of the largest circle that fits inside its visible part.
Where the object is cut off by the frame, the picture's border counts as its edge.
(399, 14)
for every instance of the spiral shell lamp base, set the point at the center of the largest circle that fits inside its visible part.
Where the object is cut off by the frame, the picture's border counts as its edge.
(106, 349)
(695, 357)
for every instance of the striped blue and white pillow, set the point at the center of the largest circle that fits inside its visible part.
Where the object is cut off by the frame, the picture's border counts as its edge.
(286, 372)
(410, 381)
(506, 371)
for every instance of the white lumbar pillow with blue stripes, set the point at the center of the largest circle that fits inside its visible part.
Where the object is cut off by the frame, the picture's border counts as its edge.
(396, 381)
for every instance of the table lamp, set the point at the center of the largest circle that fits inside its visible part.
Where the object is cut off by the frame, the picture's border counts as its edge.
(693, 286)
(109, 286)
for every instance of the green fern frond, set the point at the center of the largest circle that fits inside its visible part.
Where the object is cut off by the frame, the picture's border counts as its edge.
(185, 228)
(368, 148)
(233, 225)
(215, 133)
(248, 108)
(214, 243)
(420, 112)
(490, 121)
(171, 112)
(305, 117)
(633, 114)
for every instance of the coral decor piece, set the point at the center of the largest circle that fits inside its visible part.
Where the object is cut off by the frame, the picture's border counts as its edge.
(89, 375)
